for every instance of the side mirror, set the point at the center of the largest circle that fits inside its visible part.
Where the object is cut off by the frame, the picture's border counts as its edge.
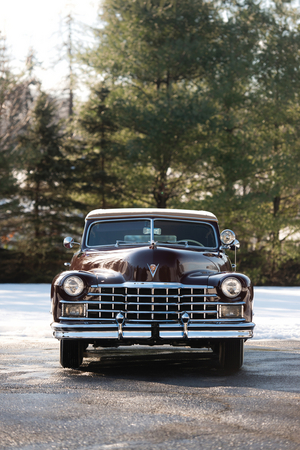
(69, 242)
(236, 244)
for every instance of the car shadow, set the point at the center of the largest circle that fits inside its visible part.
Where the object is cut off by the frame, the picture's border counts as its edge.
(275, 369)
(151, 364)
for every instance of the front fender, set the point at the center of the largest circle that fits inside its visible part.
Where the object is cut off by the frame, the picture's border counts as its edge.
(246, 294)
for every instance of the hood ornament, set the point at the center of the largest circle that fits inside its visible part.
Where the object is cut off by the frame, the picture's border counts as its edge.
(153, 268)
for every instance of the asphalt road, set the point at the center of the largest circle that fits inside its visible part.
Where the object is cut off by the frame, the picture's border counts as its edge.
(141, 398)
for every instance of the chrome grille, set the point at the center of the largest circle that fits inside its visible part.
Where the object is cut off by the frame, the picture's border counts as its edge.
(154, 303)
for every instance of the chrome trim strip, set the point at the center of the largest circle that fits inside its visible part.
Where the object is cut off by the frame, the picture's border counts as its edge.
(66, 334)
(135, 322)
(208, 334)
(211, 326)
(160, 304)
(130, 334)
(157, 285)
(191, 326)
(110, 294)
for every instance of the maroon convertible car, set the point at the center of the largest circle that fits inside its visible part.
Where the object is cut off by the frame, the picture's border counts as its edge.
(152, 277)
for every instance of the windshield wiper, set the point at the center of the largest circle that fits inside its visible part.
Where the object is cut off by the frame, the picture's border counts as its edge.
(173, 242)
(185, 242)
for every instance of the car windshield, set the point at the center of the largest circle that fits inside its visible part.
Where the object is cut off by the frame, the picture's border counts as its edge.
(167, 232)
(119, 232)
(184, 233)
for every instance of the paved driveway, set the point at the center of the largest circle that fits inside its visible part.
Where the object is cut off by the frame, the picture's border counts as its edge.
(141, 398)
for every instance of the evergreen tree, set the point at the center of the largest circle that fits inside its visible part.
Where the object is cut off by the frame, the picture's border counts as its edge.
(205, 95)
(45, 170)
(99, 155)
(231, 147)
(13, 116)
(276, 185)
(156, 55)
(255, 146)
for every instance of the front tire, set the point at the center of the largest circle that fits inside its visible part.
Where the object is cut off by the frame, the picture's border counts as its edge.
(70, 353)
(231, 354)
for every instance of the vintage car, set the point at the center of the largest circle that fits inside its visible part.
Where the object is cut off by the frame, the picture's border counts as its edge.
(152, 277)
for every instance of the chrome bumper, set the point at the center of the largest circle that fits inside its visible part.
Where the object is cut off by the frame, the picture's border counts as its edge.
(147, 332)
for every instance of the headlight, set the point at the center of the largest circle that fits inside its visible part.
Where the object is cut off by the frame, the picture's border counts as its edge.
(231, 287)
(227, 237)
(73, 286)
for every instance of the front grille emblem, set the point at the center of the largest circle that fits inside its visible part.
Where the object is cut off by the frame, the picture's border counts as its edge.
(153, 268)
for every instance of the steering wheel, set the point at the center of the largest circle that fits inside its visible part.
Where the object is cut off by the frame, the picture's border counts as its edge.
(190, 240)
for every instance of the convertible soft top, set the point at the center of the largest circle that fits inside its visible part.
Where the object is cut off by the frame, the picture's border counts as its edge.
(150, 212)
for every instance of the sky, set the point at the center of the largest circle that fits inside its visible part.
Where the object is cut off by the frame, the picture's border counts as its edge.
(39, 24)
(25, 312)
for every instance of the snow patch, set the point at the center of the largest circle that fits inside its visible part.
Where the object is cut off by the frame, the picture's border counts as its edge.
(25, 311)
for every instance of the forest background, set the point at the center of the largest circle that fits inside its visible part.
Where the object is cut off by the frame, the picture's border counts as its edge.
(192, 104)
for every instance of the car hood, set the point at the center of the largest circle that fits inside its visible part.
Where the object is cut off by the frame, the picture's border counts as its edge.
(146, 264)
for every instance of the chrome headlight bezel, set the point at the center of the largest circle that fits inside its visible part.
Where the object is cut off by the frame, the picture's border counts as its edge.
(73, 286)
(231, 287)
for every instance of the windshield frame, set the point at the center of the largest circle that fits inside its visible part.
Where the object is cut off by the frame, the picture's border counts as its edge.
(152, 241)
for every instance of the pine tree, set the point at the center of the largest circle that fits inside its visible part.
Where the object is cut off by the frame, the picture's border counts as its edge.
(45, 171)
(155, 56)
(206, 99)
(276, 186)
(98, 161)
(13, 116)
(255, 149)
